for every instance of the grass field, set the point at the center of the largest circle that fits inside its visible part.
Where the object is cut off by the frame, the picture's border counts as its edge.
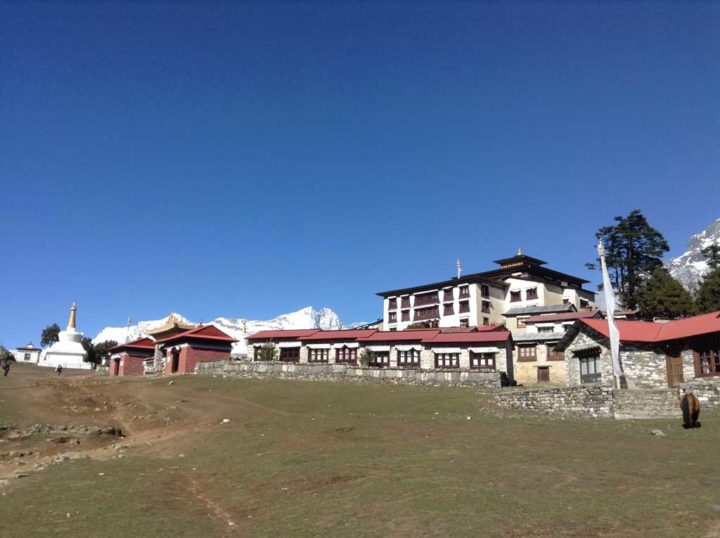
(302, 458)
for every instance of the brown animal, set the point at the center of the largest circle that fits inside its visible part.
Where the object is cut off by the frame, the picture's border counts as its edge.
(690, 406)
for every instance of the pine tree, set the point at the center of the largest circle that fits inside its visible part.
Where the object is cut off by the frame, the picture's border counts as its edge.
(633, 250)
(50, 335)
(662, 296)
(708, 295)
(712, 253)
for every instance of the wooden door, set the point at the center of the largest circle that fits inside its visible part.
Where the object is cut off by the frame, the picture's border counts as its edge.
(543, 374)
(674, 370)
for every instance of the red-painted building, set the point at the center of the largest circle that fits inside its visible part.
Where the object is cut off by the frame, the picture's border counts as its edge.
(129, 358)
(205, 343)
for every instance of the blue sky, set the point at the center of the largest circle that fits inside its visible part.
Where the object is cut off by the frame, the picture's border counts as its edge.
(249, 159)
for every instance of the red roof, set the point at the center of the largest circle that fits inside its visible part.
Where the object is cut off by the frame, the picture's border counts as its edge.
(467, 338)
(291, 333)
(564, 316)
(203, 332)
(347, 334)
(140, 343)
(412, 335)
(649, 331)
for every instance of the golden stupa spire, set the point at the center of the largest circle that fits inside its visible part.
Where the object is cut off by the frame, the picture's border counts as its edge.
(71, 321)
(519, 251)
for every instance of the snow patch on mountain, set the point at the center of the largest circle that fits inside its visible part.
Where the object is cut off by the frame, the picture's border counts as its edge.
(691, 265)
(238, 328)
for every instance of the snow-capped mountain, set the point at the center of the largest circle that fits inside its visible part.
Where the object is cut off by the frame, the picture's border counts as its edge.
(691, 265)
(306, 318)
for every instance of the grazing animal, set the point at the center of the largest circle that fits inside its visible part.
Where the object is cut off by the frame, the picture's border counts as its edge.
(690, 406)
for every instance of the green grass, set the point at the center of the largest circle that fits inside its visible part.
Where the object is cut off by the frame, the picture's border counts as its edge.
(322, 459)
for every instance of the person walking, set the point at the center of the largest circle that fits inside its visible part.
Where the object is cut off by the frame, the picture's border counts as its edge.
(5, 365)
(58, 369)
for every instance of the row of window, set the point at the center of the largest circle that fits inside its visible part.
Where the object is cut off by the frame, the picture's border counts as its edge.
(530, 294)
(433, 297)
(529, 353)
(405, 359)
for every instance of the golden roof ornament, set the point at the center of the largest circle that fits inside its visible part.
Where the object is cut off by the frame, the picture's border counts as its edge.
(72, 321)
(519, 251)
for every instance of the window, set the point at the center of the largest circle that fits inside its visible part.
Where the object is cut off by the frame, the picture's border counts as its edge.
(290, 354)
(485, 290)
(319, 355)
(465, 322)
(584, 303)
(392, 317)
(427, 313)
(486, 321)
(392, 303)
(521, 321)
(566, 300)
(531, 293)
(381, 359)
(26, 356)
(482, 361)
(464, 306)
(447, 360)
(448, 309)
(515, 296)
(426, 298)
(448, 295)
(546, 329)
(589, 370)
(464, 292)
(409, 358)
(405, 315)
(485, 306)
(707, 361)
(553, 355)
(346, 355)
(405, 302)
(527, 353)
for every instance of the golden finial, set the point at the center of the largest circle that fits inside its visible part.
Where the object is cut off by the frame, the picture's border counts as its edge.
(519, 251)
(71, 321)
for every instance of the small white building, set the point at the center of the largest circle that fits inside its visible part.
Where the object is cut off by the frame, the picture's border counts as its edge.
(68, 351)
(27, 354)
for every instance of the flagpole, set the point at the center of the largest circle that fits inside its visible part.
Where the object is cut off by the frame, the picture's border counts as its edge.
(613, 332)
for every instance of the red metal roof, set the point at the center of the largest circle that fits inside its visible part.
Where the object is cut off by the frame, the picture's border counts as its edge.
(203, 332)
(347, 334)
(648, 331)
(289, 333)
(466, 338)
(564, 316)
(140, 343)
(413, 335)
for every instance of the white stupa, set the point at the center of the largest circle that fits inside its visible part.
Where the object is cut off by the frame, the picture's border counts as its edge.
(68, 351)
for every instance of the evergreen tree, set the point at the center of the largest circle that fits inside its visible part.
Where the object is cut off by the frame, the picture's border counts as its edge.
(50, 335)
(97, 352)
(712, 253)
(662, 296)
(708, 295)
(633, 250)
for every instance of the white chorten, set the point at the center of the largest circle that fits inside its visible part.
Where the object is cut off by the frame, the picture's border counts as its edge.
(68, 351)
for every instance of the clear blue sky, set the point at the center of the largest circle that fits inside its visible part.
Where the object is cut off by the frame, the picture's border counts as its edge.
(249, 159)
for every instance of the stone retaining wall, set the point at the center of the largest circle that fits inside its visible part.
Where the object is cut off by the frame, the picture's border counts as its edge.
(599, 400)
(338, 372)
(588, 401)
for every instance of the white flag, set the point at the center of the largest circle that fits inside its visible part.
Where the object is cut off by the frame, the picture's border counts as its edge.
(610, 305)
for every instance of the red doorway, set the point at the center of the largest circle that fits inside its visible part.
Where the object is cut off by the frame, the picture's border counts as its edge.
(175, 365)
(116, 367)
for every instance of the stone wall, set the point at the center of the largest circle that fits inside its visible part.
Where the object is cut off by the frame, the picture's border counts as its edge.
(339, 372)
(588, 401)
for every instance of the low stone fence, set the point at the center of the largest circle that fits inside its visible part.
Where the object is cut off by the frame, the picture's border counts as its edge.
(340, 372)
(588, 401)
(598, 400)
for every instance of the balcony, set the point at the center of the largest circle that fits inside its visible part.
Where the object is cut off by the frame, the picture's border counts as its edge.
(426, 299)
(424, 314)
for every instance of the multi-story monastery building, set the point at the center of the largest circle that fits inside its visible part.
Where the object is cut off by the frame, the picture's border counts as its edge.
(485, 298)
